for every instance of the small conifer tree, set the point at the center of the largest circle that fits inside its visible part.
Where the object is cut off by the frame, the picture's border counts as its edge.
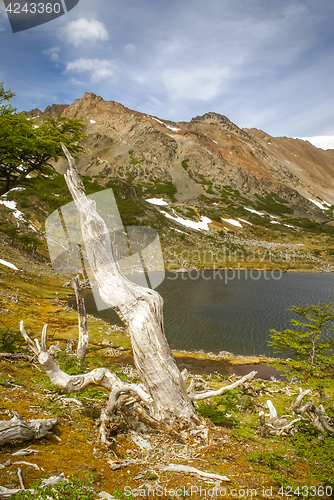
(312, 342)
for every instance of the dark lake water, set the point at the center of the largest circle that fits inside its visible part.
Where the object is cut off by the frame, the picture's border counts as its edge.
(214, 312)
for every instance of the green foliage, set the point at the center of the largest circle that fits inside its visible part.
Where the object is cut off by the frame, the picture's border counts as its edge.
(129, 208)
(134, 160)
(273, 460)
(312, 226)
(318, 452)
(26, 147)
(6, 95)
(184, 164)
(10, 340)
(28, 241)
(71, 364)
(121, 496)
(221, 409)
(313, 344)
(156, 187)
(272, 203)
(74, 489)
(7, 228)
(52, 194)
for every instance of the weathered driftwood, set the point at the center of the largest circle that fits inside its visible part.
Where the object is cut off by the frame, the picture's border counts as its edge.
(308, 412)
(82, 319)
(17, 428)
(139, 308)
(19, 473)
(15, 357)
(192, 470)
(316, 414)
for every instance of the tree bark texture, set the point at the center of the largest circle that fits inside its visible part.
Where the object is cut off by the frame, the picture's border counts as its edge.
(82, 319)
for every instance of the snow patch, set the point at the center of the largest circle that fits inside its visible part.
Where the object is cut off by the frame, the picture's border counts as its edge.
(157, 201)
(288, 225)
(92, 121)
(8, 264)
(320, 205)
(247, 222)
(253, 211)
(233, 222)
(214, 141)
(174, 129)
(12, 205)
(274, 222)
(200, 225)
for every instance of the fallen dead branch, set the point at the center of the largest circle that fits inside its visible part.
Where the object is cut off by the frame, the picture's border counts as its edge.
(219, 392)
(25, 452)
(192, 470)
(17, 428)
(15, 357)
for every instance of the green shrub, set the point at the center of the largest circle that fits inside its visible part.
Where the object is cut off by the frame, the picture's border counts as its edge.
(10, 341)
(74, 489)
(273, 460)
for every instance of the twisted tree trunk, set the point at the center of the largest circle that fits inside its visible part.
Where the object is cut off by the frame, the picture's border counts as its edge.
(140, 309)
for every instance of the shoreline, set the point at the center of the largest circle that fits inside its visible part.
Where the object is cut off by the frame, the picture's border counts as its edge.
(250, 268)
(208, 363)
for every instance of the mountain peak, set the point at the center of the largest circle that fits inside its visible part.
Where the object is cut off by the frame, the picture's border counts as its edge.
(212, 116)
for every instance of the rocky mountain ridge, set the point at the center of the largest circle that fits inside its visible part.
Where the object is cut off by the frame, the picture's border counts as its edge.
(209, 149)
(221, 186)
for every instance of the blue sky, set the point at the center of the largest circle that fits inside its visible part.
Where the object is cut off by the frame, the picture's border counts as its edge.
(267, 64)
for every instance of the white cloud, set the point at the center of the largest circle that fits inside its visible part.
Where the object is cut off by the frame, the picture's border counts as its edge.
(201, 84)
(320, 141)
(53, 53)
(130, 49)
(98, 68)
(85, 30)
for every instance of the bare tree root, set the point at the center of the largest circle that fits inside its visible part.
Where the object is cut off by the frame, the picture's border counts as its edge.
(100, 377)
(128, 407)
